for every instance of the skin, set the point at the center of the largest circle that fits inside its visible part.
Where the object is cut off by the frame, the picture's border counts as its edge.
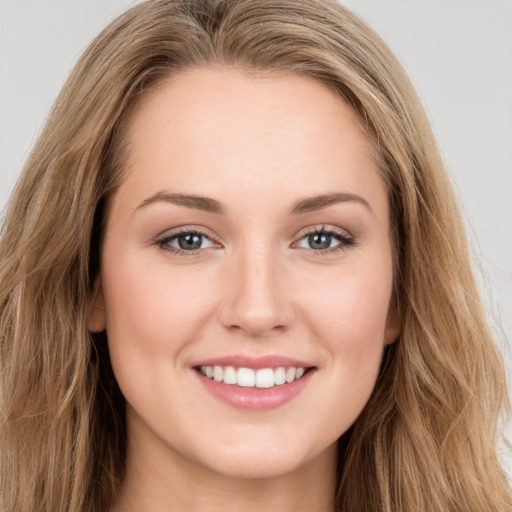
(257, 144)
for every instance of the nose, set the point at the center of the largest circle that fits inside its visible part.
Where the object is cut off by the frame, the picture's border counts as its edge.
(255, 298)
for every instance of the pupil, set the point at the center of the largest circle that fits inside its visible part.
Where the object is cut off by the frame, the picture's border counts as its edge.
(190, 242)
(319, 241)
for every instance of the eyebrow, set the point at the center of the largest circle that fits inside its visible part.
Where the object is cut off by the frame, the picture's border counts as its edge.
(204, 204)
(310, 204)
(207, 204)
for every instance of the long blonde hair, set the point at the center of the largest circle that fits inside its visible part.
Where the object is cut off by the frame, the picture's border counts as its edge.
(427, 439)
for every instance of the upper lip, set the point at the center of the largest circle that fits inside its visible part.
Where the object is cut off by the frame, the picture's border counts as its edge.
(255, 362)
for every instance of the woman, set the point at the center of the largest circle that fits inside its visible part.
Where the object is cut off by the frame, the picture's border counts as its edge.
(233, 274)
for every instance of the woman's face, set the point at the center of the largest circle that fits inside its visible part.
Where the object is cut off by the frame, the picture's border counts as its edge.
(249, 236)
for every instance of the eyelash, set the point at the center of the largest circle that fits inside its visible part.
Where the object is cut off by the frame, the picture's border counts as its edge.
(344, 239)
(163, 243)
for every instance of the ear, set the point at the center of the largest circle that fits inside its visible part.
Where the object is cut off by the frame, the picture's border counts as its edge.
(393, 322)
(96, 317)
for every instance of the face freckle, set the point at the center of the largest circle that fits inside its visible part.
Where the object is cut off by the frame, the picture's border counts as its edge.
(250, 231)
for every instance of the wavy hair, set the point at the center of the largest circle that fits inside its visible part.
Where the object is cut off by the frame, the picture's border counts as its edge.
(426, 440)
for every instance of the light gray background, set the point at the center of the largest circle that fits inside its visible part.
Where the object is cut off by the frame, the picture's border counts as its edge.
(457, 52)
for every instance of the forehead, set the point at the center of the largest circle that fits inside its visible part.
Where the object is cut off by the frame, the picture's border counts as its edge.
(223, 131)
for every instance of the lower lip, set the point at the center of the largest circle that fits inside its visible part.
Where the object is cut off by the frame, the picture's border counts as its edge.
(255, 399)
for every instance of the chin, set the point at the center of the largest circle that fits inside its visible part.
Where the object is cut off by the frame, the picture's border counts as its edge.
(266, 460)
(259, 468)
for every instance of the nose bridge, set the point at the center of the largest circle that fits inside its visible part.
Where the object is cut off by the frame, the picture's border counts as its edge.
(255, 300)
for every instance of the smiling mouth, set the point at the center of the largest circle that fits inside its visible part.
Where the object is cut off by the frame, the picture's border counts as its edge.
(263, 378)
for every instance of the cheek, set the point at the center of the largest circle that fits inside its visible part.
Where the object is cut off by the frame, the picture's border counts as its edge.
(153, 314)
(349, 321)
(350, 314)
(151, 302)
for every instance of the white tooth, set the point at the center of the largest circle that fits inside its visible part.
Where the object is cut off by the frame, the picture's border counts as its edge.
(218, 373)
(290, 374)
(265, 378)
(279, 376)
(202, 369)
(229, 375)
(300, 373)
(209, 372)
(246, 377)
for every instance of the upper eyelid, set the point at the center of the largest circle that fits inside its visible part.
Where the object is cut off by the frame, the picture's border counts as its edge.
(328, 228)
(171, 233)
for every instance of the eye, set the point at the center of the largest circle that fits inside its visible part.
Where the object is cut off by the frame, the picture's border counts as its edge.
(185, 241)
(325, 240)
